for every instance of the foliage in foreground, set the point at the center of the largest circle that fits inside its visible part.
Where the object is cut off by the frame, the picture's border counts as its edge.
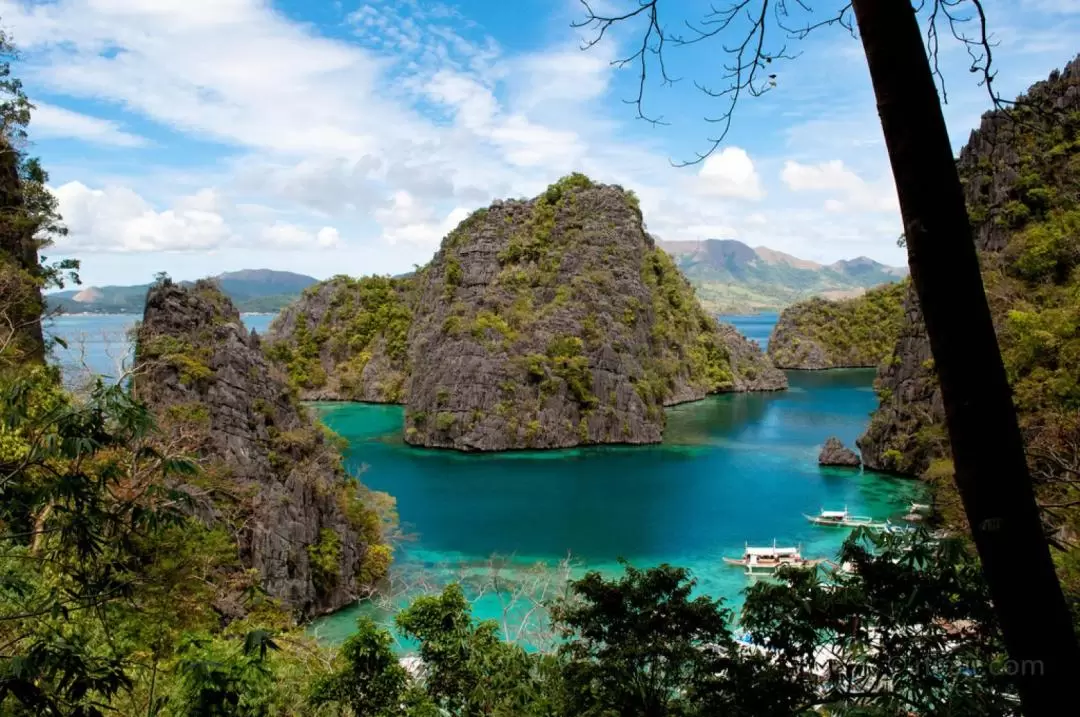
(107, 586)
(909, 631)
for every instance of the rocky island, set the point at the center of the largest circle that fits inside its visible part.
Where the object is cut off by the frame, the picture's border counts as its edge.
(835, 453)
(271, 475)
(850, 333)
(541, 323)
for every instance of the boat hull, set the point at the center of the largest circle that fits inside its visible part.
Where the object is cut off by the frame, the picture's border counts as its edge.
(843, 523)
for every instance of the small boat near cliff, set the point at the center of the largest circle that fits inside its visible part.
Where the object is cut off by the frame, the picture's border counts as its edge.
(842, 519)
(768, 559)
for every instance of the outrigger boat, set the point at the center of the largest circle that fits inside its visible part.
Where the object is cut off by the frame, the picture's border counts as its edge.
(767, 560)
(843, 519)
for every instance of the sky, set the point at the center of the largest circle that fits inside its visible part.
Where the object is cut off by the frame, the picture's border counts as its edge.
(325, 137)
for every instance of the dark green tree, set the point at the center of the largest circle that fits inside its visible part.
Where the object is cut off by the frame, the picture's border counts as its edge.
(222, 679)
(908, 627)
(468, 668)
(641, 645)
(29, 222)
(370, 682)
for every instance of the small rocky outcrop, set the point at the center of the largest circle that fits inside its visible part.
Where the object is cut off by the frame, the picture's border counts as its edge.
(835, 453)
(557, 322)
(1015, 172)
(850, 333)
(270, 474)
(345, 339)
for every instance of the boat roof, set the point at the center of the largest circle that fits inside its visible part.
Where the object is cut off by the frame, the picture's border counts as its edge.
(834, 514)
(772, 551)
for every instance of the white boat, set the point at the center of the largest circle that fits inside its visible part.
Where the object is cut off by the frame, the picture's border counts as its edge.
(766, 560)
(843, 519)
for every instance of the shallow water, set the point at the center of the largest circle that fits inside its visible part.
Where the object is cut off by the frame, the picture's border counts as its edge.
(732, 468)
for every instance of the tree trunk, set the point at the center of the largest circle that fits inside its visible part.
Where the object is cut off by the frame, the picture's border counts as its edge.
(988, 452)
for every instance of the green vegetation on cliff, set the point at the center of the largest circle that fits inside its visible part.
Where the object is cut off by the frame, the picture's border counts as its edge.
(544, 323)
(265, 460)
(1021, 175)
(858, 332)
(347, 339)
(683, 333)
(557, 321)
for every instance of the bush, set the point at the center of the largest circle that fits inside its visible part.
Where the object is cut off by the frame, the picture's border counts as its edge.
(324, 556)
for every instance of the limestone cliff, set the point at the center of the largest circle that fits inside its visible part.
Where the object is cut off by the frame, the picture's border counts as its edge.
(1020, 172)
(850, 333)
(557, 321)
(345, 339)
(271, 475)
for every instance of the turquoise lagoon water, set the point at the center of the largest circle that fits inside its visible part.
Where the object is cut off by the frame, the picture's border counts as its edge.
(732, 468)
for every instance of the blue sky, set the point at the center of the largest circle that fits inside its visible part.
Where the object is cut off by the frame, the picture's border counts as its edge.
(200, 136)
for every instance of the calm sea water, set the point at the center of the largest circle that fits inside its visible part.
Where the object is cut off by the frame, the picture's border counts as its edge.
(756, 327)
(732, 469)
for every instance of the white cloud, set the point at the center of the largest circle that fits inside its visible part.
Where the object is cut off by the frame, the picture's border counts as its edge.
(232, 70)
(406, 221)
(52, 121)
(853, 193)
(522, 142)
(282, 235)
(117, 219)
(326, 138)
(730, 173)
(473, 104)
(563, 76)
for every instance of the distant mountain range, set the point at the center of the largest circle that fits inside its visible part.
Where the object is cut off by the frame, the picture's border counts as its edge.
(252, 290)
(731, 277)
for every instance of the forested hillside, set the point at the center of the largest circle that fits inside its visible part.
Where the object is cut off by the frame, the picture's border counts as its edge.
(848, 333)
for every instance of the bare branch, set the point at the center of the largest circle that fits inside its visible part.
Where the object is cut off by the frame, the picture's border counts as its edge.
(744, 30)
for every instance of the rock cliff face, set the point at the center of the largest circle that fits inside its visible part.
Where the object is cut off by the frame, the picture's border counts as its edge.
(1020, 175)
(270, 473)
(345, 339)
(835, 453)
(851, 333)
(557, 322)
